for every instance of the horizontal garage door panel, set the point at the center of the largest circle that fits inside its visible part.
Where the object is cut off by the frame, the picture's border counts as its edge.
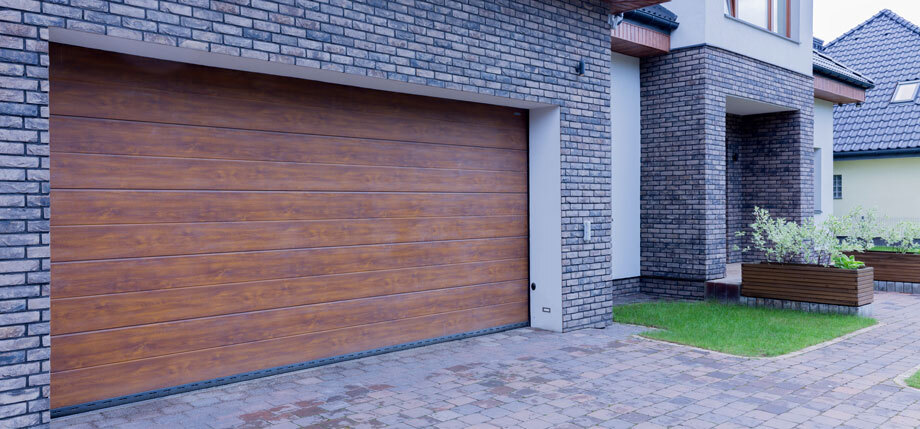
(87, 135)
(131, 241)
(138, 104)
(112, 380)
(134, 72)
(109, 207)
(211, 222)
(118, 345)
(128, 275)
(94, 171)
(138, 308)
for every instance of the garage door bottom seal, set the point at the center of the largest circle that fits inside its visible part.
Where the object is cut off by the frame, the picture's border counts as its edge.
(105, 403)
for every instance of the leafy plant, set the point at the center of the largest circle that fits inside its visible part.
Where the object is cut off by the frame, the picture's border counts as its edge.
(783, 241)
(902, 237)
(848, 262)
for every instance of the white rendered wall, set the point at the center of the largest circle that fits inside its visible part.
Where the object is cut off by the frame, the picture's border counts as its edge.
(625, 165)
(891, 185)
(545, 220)
(703, 22)
(824, 140)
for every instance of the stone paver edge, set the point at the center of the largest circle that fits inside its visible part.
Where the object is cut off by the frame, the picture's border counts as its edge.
(780, 357)
(901, 380)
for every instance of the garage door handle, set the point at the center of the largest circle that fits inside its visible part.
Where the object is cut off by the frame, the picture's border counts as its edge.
(533, 286)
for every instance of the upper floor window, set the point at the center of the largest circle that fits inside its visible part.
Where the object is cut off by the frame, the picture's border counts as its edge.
(773, 15)
(906, 91)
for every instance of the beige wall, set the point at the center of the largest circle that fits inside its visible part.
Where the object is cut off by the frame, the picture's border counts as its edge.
(890, 184)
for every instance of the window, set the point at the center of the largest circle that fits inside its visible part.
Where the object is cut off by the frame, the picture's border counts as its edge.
(773, 15)
(905, 91)
(838, 187)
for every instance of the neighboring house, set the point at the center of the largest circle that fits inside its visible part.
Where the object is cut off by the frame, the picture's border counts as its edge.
(835, 85)
(250, 187)
(877, 143)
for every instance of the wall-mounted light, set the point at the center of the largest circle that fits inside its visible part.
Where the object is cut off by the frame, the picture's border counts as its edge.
(580, 68)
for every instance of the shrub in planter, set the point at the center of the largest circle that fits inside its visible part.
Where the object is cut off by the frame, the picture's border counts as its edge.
(899, 259)
(807, 262)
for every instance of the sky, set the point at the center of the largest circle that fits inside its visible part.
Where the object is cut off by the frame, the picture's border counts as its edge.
(835, 17)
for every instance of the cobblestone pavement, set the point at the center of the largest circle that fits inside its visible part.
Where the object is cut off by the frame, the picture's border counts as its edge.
(591, 378)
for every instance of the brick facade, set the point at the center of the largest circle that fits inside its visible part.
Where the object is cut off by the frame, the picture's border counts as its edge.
(684, 159)
(626, 286)
(524, 49)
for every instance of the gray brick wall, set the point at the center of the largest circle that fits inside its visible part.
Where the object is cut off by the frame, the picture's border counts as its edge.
(626, 286)
(522, 49)
(683, 194)
(734, 173)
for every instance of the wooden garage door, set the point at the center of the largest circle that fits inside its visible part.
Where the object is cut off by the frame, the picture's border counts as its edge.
(209, 222)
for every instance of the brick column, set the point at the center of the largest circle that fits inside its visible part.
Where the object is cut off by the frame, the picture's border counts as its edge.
(24, 251)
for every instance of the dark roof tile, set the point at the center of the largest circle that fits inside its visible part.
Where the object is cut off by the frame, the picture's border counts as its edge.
(886, 49)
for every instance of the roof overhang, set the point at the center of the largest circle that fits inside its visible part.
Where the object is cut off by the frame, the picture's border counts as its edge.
(620, 6)
(838, 92)
(879, 153)
(637, 41)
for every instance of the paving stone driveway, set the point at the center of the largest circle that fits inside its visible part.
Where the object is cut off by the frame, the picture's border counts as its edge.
(592, 378)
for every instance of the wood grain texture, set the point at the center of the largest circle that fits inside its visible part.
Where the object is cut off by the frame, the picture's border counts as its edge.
(84, 350)
(97, 207)
(136, 274)
(98, 136)
(138, 308)
(823, 285)
(94, 171)
(77, 243)
(107, 381)
(211, 222)
(146, 105)
(892, 267)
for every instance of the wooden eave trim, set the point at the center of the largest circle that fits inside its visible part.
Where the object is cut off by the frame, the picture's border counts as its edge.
(637, 41)
(838, 92)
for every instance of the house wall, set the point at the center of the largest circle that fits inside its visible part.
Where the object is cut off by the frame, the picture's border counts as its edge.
(824, 140)
(704, 22)
(518, 50)
(888, 184)
(625, 172)
(735, 136)
(683, 194)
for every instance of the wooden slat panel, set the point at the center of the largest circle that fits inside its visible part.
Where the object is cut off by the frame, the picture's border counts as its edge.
(84, 135)
(118, 345)
(73, 243)
(137, 308)
(146, 105)
(79, 207)
(807, 283)
(107, 381)
(87, 65)
(84, 171)
(892, 267)
(127, 275)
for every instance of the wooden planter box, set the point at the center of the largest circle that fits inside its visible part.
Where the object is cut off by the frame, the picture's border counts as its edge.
(808, 283)
(892, 267)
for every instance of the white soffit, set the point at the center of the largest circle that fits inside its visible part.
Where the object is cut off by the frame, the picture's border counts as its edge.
(744, 106)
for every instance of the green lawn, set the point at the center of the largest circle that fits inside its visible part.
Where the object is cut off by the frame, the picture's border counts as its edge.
(887, 249)
(914, 380)
(737, 329)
